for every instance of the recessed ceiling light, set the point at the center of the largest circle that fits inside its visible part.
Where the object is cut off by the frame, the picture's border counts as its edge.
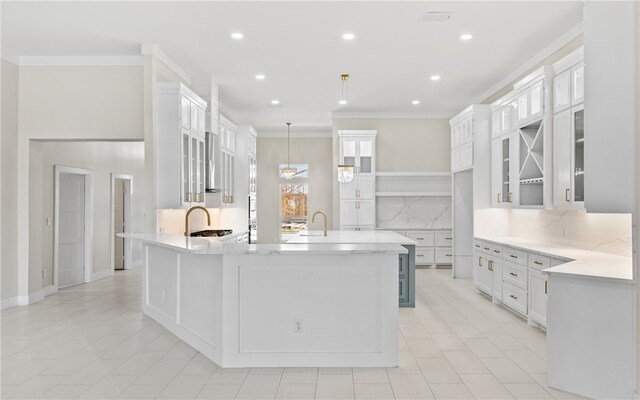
(466, 36)
(415, 102)
(237, 35)
(435, 77)
(348, 36)
(275, 102)
(260, 77)
(343, 102)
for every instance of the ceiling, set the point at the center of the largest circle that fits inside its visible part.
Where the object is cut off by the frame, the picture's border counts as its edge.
(299, 47)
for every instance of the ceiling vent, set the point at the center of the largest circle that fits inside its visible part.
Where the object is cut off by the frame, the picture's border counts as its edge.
(436, 16)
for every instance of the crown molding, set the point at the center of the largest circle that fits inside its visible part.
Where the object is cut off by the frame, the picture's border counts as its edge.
(153, 49)
(344, 115)
(55, 61)
(556, 45)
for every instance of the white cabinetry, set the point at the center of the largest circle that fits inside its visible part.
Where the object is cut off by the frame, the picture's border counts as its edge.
(357, 198)
(568, 132)
(227, 154)
(180, 143)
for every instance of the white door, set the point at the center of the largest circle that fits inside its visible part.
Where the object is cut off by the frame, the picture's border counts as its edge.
(71, 234)
(118, 223)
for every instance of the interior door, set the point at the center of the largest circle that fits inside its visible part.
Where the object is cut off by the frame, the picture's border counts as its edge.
(118, 223)
(71, 230)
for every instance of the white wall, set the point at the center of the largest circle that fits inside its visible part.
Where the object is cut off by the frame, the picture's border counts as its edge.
(74, 102)
(103, 158)
(317, 152)
(9, 179)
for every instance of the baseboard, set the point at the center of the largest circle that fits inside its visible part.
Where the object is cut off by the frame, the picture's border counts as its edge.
(49, 290)
(31, 298)
(8, 303)
(101, 275)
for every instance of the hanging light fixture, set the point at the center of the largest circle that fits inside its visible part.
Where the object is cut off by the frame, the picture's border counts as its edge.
(344, 92)
(345, 173)
(288, 172)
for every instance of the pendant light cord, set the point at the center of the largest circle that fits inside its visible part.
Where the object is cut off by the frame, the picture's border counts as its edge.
(288, 143)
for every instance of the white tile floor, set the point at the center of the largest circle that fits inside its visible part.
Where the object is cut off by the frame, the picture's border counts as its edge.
(92, 342)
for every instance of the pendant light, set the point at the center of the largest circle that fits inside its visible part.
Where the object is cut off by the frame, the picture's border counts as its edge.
(288, 172)
(345, 173)
(344, 89)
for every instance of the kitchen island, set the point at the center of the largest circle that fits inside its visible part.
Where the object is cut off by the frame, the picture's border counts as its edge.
(406, 262)
(288, 305)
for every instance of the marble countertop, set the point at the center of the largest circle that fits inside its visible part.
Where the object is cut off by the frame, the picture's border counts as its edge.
(580, 262)
(351, 237)
(216, 246)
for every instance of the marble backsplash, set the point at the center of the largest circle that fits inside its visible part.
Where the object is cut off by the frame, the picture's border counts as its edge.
(609, 233)
(413, 212)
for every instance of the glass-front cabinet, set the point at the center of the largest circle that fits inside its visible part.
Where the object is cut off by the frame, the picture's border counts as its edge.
(504, 170)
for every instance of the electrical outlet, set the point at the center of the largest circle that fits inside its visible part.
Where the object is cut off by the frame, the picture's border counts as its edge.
(298, 326)
(44, 273)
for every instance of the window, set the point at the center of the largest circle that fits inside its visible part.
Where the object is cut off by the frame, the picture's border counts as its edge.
(294, 202)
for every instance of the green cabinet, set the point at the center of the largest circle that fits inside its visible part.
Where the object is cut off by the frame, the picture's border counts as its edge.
(407, 277)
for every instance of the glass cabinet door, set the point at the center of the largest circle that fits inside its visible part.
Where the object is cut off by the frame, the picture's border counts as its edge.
(193, 175)
(578, 150)
(186, 190)
(366, 157)
(349, 152)
(506, 170)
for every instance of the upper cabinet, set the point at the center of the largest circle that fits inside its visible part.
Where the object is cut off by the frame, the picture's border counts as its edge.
(357, 197)
(227, 157)
(463, 130)
(520, 144)
(180, 143)
(568, 132)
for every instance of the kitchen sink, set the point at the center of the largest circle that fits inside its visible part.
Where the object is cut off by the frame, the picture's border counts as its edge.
(212, 233)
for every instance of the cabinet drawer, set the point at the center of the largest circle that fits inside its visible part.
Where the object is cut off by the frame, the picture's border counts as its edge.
(514, 274)
(513, 255)
(424, 238)
(477, 245)
(486, 248)
(496, 250)
(515, 298)
(424, 255)
(444, 255)
(539, 262)
(444, 238)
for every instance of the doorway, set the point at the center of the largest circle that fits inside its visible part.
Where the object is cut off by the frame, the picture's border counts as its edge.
(73, 226)
(121, 248)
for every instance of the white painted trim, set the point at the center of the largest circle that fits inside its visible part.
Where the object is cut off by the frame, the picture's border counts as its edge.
(31, 298)
(8, 303)
(154, 50)
(570, 60)
(343, 114)
(425, 174)
(134, 265)
(101, 275)
(49, 290)
(128, 243)
(41, 61)
(88, 219)
(298, 135)
(12, 58)
(562, 41)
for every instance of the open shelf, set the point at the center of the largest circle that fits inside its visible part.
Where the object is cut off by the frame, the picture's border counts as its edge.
(413, 184)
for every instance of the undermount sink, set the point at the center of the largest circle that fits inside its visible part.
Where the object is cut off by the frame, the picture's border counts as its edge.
(212, 233)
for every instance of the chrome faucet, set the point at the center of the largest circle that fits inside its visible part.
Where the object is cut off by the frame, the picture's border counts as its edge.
(313, 219)
(186, 218)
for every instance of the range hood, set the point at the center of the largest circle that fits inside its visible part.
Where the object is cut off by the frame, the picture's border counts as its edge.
(212, 166)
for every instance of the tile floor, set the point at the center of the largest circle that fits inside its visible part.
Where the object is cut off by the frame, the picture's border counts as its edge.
(92, 342)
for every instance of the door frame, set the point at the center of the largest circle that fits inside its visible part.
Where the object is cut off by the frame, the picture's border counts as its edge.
(128, 245)
(88, 219)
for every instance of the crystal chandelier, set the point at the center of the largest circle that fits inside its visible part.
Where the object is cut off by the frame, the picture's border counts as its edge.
(345, 173)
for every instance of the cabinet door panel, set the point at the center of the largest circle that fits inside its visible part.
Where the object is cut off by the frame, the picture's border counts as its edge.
(477, 268)
(496, 278)
(349, 190)
(496, 126)
(523, 107)
(562, 91)
(465, 156)
(185, 112)
(536, 101)
(366, 213)
(496, 173)
(538, 296)
(348, 213)
(562, 159)
(185, 185)
(365, 187)
(577, 84)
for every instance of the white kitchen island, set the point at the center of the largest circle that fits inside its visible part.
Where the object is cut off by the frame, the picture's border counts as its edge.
(290, 305)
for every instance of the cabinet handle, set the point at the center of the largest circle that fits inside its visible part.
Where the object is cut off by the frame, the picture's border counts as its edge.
(448, 255)
(189, 195)
(490, 265)
(510, 199)
(419, 238)
(545, 286)
(566, 195)
(448, 238)
(513, 256)
(486, 248)
(497, 251)
(512, 274)
(419, 255)
(477, 245)
(499, 201)
(513, 297)
(479, 261)
(537, 262)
